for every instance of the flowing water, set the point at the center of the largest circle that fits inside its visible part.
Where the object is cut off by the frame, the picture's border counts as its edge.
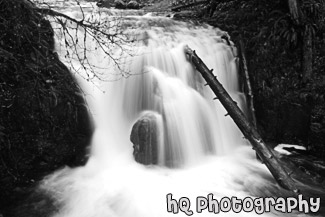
(200, 151)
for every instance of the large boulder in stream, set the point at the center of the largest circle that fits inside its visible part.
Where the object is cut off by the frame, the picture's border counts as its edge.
(133, 5)
(44, 121)
(106, 3)
(120, 4)
(145, 140)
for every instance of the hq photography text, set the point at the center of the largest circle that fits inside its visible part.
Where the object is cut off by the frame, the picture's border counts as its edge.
(259, 205)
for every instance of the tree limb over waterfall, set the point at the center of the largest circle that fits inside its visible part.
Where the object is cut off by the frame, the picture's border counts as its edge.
(84, 32)
(267, 157)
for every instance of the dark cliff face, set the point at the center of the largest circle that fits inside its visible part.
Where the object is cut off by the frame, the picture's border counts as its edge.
(44, 121)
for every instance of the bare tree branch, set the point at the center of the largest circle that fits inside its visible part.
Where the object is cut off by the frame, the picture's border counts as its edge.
(106, 32)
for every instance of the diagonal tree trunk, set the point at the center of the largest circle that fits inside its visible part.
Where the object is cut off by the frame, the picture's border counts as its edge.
(263, 151)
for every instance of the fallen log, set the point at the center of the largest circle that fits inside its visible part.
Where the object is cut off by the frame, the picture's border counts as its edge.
(268, 158)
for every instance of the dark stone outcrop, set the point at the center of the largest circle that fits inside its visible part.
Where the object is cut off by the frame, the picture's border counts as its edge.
(44, 121)
(120, 4)
(133, 5)
(145, 140)
(105, 3)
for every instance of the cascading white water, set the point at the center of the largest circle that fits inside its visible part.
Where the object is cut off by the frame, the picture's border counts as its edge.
(207, 147)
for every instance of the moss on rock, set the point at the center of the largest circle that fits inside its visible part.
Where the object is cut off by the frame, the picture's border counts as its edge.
(44, 121)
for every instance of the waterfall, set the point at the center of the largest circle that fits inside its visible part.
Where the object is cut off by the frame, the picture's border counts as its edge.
(200, 150)
(162, 81)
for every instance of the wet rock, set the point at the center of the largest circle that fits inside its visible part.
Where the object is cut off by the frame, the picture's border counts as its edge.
(44, 122)
(133, 5)
(145, 140)
(184, 15)
(119, 4)
(305, 168)
(106, 3)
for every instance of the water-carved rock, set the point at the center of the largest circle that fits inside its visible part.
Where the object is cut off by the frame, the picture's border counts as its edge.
(119, 4)
(133, 5)
(106, 3)
(145, 140)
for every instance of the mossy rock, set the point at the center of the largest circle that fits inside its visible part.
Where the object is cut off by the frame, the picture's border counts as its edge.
(105, 3)
(119, 4)
(145, 140)
(44, 120)
(133, 5)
